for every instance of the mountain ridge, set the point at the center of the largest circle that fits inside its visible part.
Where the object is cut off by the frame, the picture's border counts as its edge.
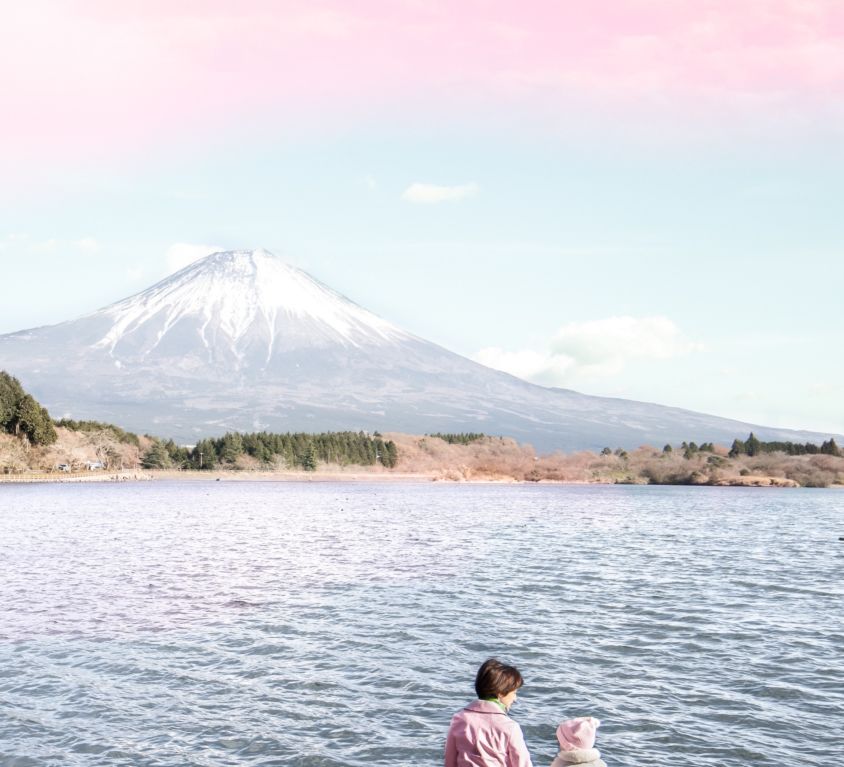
(242, 341)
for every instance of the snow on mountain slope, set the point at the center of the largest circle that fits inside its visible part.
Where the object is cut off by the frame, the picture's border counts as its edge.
(238, 299)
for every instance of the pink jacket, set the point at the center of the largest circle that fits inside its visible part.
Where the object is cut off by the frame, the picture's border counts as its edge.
(482, 735)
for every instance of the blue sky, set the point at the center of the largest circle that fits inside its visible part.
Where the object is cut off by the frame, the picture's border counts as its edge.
(653, 248)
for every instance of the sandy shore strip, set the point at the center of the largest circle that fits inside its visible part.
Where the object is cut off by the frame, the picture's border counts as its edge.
(81, 476)
(292, 476)
(219, 476)
(335, 475)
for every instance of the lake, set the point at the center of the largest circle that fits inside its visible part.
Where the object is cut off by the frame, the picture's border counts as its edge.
(217, 623)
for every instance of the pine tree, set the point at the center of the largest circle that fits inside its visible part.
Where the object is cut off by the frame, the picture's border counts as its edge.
(737, 449)
(231, 447)
(178, 455)
(156, 457)
(830, 448)
(309, 460)
(34, 421)
(21, 414)
(203, 456)
(11, 393)
(391, 455)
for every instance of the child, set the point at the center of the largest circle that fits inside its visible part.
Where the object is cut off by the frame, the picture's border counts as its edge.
(577, 743)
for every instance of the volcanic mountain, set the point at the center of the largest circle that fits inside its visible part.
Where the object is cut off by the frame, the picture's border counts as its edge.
(242, 341)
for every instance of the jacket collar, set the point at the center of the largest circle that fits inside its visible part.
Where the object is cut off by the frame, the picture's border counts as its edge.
(485, 707)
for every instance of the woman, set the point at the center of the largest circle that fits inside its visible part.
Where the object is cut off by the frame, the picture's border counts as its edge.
(482, 735)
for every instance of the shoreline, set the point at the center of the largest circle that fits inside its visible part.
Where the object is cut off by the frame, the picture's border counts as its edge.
(152, 475)
(289, 476)
(34, 477)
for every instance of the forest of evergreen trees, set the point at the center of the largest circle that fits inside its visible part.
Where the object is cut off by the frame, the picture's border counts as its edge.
(299, 450)
(753, 446)
(463, 438)
(22, 415)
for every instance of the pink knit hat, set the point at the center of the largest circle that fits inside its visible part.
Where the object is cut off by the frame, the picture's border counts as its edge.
(578, 733)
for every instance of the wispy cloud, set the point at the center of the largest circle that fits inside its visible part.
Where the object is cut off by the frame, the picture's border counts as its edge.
(596, 348)
(182, 254)
(429, 194)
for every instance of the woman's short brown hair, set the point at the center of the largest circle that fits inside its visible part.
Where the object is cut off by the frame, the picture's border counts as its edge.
(496, 678)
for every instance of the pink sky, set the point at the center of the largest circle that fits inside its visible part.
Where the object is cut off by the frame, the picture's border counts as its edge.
(87, 76)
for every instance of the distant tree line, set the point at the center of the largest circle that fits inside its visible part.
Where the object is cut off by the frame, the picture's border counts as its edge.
(299, 450)
(22, 415)
(691, 448)
(463, 438)
(753, 446)
(618, 452)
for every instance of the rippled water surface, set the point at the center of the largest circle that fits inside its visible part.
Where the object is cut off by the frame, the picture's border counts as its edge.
(323, 624)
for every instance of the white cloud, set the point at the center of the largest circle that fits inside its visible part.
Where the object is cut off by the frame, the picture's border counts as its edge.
(540, 367)
(370, 183)
(181, 254)
(596, 348)
(620, 339)
(433, 193)
(134, 273)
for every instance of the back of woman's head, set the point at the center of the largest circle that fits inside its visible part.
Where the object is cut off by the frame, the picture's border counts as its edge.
(496, 678)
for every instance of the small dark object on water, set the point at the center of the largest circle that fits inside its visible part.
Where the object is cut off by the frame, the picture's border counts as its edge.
(239, 603)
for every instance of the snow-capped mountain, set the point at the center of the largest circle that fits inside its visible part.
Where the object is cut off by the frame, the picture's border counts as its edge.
(246, 308)
(242, 341)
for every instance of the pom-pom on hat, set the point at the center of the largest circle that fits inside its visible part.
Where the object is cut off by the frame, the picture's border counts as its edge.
(577, 733)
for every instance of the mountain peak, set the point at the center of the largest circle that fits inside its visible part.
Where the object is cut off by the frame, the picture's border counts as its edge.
(240, 260)
(234, 302)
